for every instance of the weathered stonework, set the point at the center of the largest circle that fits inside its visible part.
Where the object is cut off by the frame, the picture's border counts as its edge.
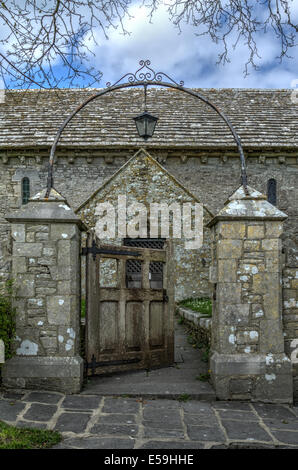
(2, 352)
(45, 252)
(143, 180)
(248, 355)
(201, 154)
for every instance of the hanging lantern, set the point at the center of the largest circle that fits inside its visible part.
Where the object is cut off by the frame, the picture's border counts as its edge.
(145, 124)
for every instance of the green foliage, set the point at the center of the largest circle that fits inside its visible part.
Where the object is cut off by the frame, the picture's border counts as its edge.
(203, 377)
(191, 340)
(206, 354)
(184, 397)
(198, 337)
(199, 340)
(83, 308)
(202, 305)
(7, 318)
(25, 438)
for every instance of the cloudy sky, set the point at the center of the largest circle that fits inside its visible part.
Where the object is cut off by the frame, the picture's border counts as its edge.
(183, 56)
(188, 57)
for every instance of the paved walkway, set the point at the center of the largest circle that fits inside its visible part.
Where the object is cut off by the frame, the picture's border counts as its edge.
(94, 422)
(168, 382)
(120, 412)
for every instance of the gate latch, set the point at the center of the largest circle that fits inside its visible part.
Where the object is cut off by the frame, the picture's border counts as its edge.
(165, 298)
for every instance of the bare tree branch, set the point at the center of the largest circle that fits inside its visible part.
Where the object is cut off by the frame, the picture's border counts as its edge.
(44, 42)
(222, 20)
(50, 43)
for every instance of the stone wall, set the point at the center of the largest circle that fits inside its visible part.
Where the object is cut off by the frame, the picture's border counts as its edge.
(200, 322)
(215, 180)
(248, 360)
(46, 274)
(144, 181)
(211, 175)
(2, 352)
(199, 330)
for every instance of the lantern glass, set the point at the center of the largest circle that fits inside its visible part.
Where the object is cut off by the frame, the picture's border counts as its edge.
(145, 124)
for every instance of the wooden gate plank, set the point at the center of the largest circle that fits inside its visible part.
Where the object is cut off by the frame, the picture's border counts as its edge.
(129, 324)
(92, 293)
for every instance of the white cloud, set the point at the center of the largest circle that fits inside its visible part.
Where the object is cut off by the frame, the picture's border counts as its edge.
(159, 42)
(186, 56)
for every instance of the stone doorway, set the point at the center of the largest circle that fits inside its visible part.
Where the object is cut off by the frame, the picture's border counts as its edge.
(127, 327)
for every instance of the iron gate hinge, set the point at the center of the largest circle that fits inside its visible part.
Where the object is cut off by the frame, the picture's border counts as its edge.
(94, 364)
(94, 250)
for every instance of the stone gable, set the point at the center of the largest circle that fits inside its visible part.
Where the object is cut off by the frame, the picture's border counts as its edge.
(143, 180)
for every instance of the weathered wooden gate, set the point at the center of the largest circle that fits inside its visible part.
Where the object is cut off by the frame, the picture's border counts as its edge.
(128, 328)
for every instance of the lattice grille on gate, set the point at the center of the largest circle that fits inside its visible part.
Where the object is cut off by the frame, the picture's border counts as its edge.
(155, 267)
(135, 266)
(154, 243)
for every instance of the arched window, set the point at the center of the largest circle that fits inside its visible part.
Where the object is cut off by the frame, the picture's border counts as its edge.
(25, 190)
(271, 191)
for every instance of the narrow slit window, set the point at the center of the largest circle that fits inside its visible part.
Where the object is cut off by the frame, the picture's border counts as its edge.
(25, 190)
(271, 191)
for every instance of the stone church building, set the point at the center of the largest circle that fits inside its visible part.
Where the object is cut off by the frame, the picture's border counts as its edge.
(192, 158)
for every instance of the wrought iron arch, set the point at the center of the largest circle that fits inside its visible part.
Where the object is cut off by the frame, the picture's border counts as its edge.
(145, 76)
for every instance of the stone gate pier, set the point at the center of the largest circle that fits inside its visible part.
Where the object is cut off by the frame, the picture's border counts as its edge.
(248, 359)
(46, 275)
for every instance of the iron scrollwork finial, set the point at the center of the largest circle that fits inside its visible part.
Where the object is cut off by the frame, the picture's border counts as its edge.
(145, 74)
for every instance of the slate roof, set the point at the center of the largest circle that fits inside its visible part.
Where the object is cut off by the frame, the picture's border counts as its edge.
(262, 118)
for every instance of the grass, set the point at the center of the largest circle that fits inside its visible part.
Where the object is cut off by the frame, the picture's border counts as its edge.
(25, 438)
(206, 354)
(184, 397)
(83, 308)
(199, 343)
(197, 336)
(203, 377)
(202, 305)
